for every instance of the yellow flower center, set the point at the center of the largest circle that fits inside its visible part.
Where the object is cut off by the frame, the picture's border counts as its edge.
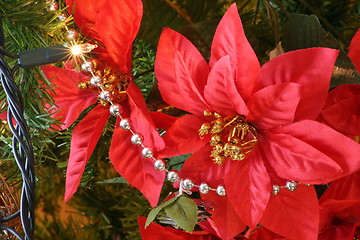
(231, 137)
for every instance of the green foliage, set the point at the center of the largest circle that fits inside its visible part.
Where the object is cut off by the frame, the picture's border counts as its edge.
(180, 209)
(105, 199)
(184, 213)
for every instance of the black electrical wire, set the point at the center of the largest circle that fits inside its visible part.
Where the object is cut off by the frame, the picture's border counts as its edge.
(22, 149)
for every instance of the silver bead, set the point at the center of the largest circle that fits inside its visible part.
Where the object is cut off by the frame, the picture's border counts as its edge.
(291, 186)
(53, 6)
(71, 34)
(187, 184)
(146, 152)
(276, 189)
(136, 139)
(87, 66)
(95, 81)
(115, 110)
(172, 176)
(125, 124)
(105, 96)
(220, 190)
(159, 165)
(204, 188)
(62, 17)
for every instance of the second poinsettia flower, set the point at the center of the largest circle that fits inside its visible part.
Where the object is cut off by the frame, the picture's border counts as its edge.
(253, 128)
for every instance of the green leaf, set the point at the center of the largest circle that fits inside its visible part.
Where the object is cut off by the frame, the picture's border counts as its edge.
(177, 161)
(167, 13)
(155, 211)
(304, 31)
(184, 213)
(114, 180)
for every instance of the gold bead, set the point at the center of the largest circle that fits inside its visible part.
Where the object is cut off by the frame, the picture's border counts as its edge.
(219, 159)
(82, 85)
(204, 129)
(207, 113)
(238, 157)
(215, 139)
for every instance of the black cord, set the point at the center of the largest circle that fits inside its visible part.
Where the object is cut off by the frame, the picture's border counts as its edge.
(22, 149)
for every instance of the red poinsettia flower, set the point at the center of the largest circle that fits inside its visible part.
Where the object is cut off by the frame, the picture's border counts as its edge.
(340, 209)
(341, 110)
(97, 19)
(259, 124)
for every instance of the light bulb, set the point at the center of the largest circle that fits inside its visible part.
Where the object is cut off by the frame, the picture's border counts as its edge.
(82, 48)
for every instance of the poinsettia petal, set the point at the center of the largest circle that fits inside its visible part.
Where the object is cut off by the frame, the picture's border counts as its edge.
(121, 19)
(186, 86)
(274, 106)
(220, 91)
(194, 75)
(183, 136)
(250, 180)
(294, 215)
(345, 231)
(126, 157)
(196, 164)
(354, 50)
(291, 158)
(83, 142)
(224, 219)
(341, 109)
(344, 188)
(330, 143)
(162, 120)
(311, 68)
(261, 233)
(131, 165)
(141, 119)
(86, 13)
(158, 232)
(69, 98)
(230, 39)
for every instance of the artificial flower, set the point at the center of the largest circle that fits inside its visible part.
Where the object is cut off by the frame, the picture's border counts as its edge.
(251, 127)
(341, 110)
(96, 20)
(340, 209)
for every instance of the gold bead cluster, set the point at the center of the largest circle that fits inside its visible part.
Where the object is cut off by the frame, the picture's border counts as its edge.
(241, 137)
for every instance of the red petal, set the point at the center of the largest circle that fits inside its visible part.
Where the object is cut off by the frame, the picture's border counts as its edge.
(261, 233)
(193, 71)
(85, 13)
(330, 143)
(294, 215)
(137, 170)
(183, 136)
(224, 219)
(127, 158)
(84, 139)
(158, 232)
(196, 164)
(354, 50)
(70, 99)
(220, 91)
(341, 110)
(311, 68)
(292, 157)
(141, 119)
(344, 188)
(250, 180)
(230, 39)
(117, 25)
(162, 120)
(274, 106)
